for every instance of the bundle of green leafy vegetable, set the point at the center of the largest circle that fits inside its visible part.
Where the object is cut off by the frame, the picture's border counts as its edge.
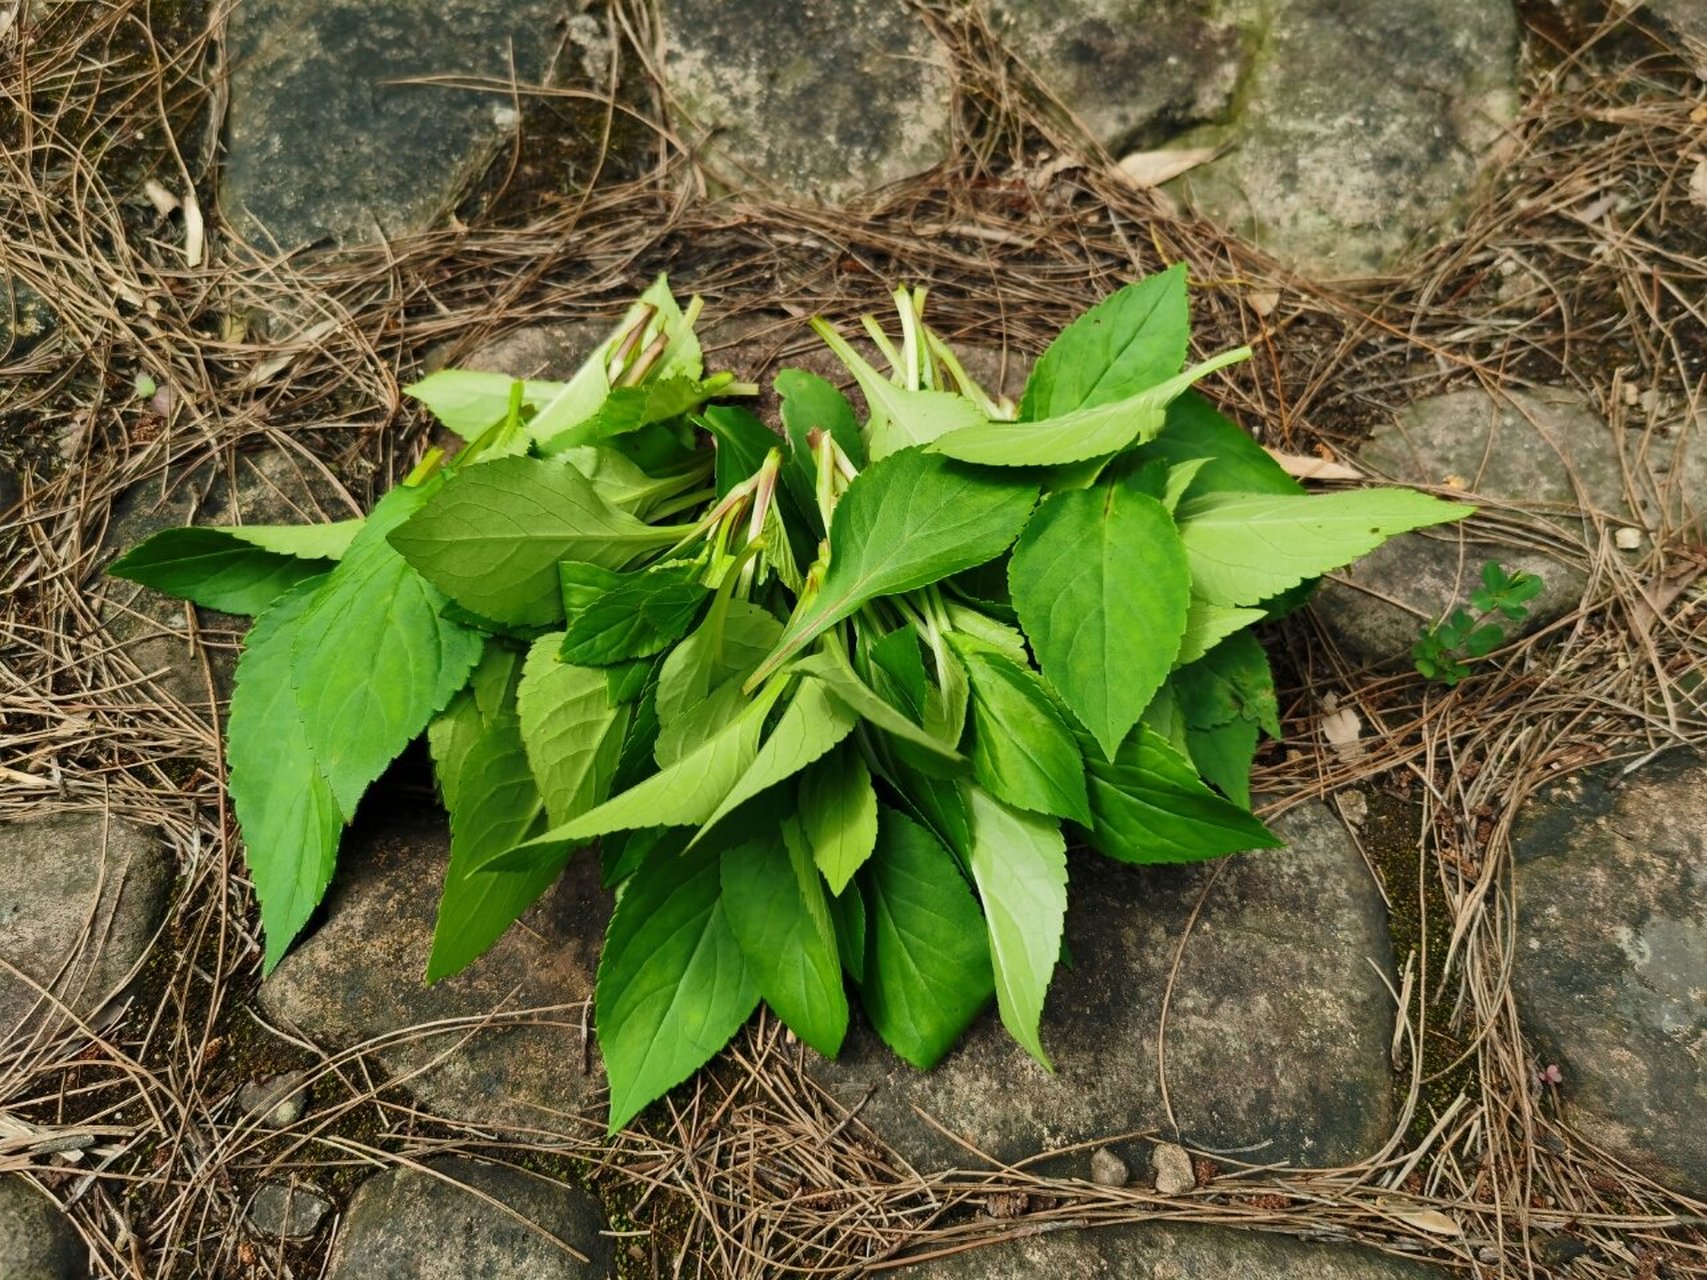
(830, 701)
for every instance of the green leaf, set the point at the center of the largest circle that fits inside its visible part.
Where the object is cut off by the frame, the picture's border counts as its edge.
(468, 401)
(614, 617)
(1099, 579)
(305, 541)
(622, 483)
(743, 443)
(847, 911)
(1244, 549)
(810, 403)
(699, 685)
(899, 417)
(812, 723)
(1150, 806)
(832, 667)
(1079, 435)
(494, 801)
(838, 815)
(673, 983)
(1132, 340)
(1223, 754)
(215, 569)
(628, 409)
(1019, 863)
(1232, 461)
(898, 670)
(927, 967)
(1023, 752)
(584, 393)
(1207, 625)
(906, 522)
(289, 817)
(775, 905)
(492, 536)
(572, 728)
(687, 793)
(374, 659)
(1232, 680)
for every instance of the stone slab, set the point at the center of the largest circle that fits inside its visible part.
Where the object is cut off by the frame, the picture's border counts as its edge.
(36, 1240)
(359, 979)
(817, 99)
(1278, 1026)
(324, 143)
(1611, 964)
(81, 897)
(455, 1219)
(1161, 1252)
(1546, 449)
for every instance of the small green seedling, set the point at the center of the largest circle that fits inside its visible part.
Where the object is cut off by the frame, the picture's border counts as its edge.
(1444, 651)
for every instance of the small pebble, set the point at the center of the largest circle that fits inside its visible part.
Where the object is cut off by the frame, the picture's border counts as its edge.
(276, 1101)
(287, 1211)
(1108, 1169)
(1172, 1166)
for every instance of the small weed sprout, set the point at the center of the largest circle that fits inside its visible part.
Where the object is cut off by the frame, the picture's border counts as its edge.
(1444, 651)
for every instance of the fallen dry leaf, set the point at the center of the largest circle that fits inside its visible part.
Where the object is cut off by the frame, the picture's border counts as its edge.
(1303, 466)
(1263, 301)
(1432, 1221)
(1343, 727)
(1153, 168)
(1698, 183)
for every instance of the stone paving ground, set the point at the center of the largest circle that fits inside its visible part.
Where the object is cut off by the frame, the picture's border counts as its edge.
(1458, 1026)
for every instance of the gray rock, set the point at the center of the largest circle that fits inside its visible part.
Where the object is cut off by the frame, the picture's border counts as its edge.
(1688, 18)
(321, 142)
(1612, 957)
(1277, 1034)
(1360, 126)
(1154, 1252)
(1171, 1165)
(1546, 449)
(36, 1240)
(81, 897)
(1108, 1169)
(359, 978)
(26, 320)
(822, 99)
(287, 1210)
(277, 1101)
(1134, 71)
(266, 487)
(456, 1219)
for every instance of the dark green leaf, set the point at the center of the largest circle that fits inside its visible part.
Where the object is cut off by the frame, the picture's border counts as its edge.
(1231, 680)
(1019, 863)
(1133, 339)
(373, 658)
(614, 617)
(1150, 806)
(673, 984)
(492, 536)
(494, 802)
(743, 442)
(1223, 754)
(927, 961)
(628, 409)
(290, 818)
(1099, 578)
(215, 568)
(838, 815)
(775, 905)
(1023, 752)
(905, 522)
